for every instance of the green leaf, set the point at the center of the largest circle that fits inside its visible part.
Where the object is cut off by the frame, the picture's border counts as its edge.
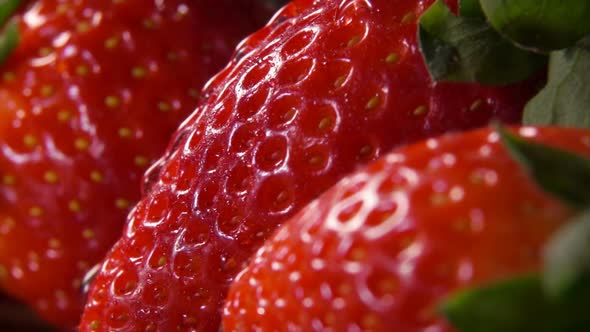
(7, 8)
(567, 262)
(470, 8)
(467, 49)
(540, 24)
(9, 40)
(564, 174)
(565, 101)
(514, 305)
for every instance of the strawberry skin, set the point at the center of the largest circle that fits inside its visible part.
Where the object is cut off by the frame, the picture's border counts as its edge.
(325, 87)
(378, 251)
(89, 100)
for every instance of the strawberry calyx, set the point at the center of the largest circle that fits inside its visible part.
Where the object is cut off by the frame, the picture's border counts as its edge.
(466, 48)
(556, 298)
(566, 98)
(541, 26)
(494, 42)
(9, 37)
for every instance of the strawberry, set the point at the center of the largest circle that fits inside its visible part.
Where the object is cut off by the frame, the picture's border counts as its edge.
(383, 247)
(90, 97)
(325, 87)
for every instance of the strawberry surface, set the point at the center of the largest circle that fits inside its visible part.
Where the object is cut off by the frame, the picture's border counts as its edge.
(325, 87)
(89, 99)
(380, 250)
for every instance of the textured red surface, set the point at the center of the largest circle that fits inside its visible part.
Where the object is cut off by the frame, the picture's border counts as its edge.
(89, 99)
(386, 244)
(325, 87)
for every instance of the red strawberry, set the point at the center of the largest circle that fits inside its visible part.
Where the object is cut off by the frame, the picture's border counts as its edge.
(89, 99)
(325, 87)
(380, 250)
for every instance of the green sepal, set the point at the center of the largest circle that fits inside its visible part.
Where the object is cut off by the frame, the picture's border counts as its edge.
(565, 100)
(540, 25)
(564, 174)
(514, 305)
(566, 275)
(7, 8)
(467, 49)
(9, 40)
(470, 8)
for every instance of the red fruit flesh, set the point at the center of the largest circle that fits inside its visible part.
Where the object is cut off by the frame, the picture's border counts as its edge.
(380, 250)
(89, 98)
(325, 87)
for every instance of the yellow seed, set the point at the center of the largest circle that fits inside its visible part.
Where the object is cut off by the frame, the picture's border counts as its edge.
(392, 58)
(74, 206)
(365, 151)
(353, 41)
(8, 76)
(373, 102)
(172, 56)
(344, 289)
(409, 18)
(50, 177)
(314, 160)
(121, 203)
(164, 106)
(82, 265)
(194, 93)
(64, 115)
(438, 199)
(8, 223)
(82, 70)
(83, 26)
(125, 132)
(475, 105)
(138, 72)
(149, 24)
(35, 211)
(112, 101)
(420, 110)
(358, 254)
(54, 243)
(47, 90)
(206, 46)
(141, 161)
(339, 81)
(96, 176)
(62, 8)
(111, 42)
(30, 141)
(370, 321)
(8, 180)
(81, 144)
(161, 261)
(44, 51)
(325, 123)
(94, 325)
(88, 233)
(60, 294)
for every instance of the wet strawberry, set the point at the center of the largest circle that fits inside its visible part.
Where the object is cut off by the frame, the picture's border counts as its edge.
(325, 87)
(380, 250)
(89, 99)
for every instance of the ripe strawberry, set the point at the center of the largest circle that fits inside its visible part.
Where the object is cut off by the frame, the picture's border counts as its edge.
(324, 87)
(379, 250)
(89, 99)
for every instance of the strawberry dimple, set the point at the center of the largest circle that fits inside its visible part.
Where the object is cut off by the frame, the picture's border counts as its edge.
(380, 249)
(325, 87)
(89, 97)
